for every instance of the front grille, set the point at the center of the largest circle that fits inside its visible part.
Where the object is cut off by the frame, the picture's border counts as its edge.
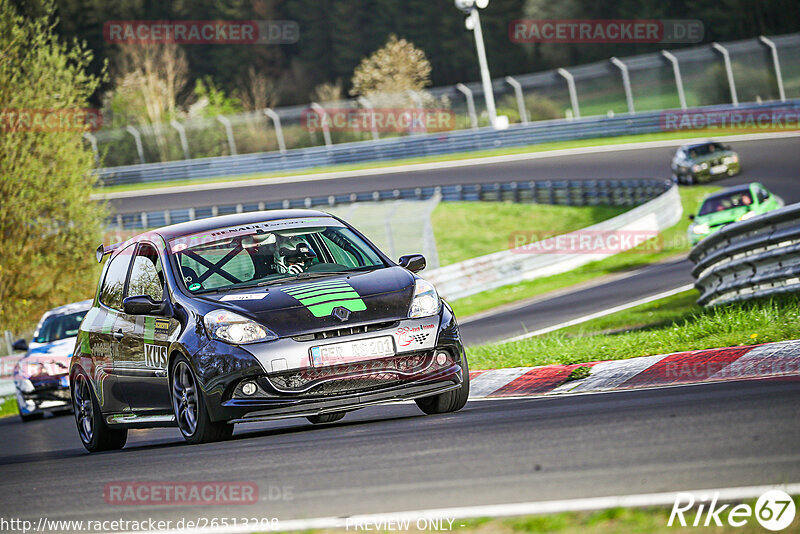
(355, 377)
(345, 331)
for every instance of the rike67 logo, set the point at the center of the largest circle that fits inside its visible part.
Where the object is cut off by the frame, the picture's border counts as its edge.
(774, 510)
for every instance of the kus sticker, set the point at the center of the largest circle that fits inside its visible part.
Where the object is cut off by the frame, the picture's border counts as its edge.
(162, 326)
(155, 356)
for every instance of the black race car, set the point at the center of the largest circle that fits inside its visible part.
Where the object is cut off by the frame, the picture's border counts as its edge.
(702, 162)
(258, 316)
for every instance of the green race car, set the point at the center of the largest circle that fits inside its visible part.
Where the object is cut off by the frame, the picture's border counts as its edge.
(702, 162)
(730, 205)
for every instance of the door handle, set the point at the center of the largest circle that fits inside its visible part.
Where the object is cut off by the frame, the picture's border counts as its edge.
(118, 335)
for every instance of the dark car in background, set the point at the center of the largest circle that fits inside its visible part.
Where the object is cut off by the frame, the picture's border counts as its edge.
(702, 162)
(258, 316)
(41, 376)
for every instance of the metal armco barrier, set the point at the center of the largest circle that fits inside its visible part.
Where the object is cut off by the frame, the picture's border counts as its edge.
(560, 192)
(413, 146)
(502, 268)
(756, 258)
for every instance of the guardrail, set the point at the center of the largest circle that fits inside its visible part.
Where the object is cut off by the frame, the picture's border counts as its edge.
(756, 258)
(559, 192)
(413, 146)
(509, 266)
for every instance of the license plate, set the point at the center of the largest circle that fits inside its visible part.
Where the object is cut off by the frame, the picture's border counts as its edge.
(719, 169)
(353, 351)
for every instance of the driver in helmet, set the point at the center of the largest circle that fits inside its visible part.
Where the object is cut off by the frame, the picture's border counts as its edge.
(293, 256)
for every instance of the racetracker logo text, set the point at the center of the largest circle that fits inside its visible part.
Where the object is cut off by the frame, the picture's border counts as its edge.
(586, 242)
(51, 120)
(201, 31)
(605, 31)
(182, 493)
(753, 119)
(395, 120)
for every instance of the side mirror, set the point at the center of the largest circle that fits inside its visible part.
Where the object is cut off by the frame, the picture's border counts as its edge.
(413, 262)
(691, 216)
(145, 305)
(20, 344)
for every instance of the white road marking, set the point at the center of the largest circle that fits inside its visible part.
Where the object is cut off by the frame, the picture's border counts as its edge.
(601, 313)
(490, 381)
(503, 510)
(419, 167)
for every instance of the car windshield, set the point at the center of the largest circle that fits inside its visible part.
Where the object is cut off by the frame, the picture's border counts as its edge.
(270, 253)
(58, 327)
(726, 202)
(704, 150)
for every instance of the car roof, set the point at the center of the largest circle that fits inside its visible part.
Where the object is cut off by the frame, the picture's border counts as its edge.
(698, 145)
(67, 309)
(236, 219)
(735, 189)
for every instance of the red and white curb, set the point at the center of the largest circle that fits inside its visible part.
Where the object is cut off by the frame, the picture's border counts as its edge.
(693, 367)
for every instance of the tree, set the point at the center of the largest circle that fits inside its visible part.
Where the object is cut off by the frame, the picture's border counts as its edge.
(395, 69)
(49, 227)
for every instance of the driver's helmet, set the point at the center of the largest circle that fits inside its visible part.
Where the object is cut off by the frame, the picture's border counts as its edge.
(293, 255)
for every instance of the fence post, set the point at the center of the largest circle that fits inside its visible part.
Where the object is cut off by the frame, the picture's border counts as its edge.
(473, 117)
(417, 104)
(326, 130)
(93, 142)
(523, 113)
(676, 70)
(776, 64)
(137, 137)
(573, 93)
(229, 131)
(364, 101)
(276, 120)
(182, 135)
(726, 57)
(626, 83)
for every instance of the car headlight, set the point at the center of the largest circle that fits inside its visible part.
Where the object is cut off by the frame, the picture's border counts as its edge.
(699, 167)
(701, 228)
(233, 328)
(426, 300)
(746, 216)
(25, 385)
(733, 158)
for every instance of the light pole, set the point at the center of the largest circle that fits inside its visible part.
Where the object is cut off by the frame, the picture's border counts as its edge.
(473, 23)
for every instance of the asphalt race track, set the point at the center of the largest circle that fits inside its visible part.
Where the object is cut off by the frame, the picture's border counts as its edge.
(774, 162)
(392, 458)
(543, 313)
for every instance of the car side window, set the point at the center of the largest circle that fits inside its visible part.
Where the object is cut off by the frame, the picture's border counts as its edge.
(113, 288)
(147, 276)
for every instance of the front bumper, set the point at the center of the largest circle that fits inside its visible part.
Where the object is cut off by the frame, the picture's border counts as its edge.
(428, 361)
(44, 399)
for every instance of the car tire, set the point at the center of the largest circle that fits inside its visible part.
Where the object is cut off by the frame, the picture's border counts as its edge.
(325, 418)
(93, 431)
(188, 404)
(449, 401)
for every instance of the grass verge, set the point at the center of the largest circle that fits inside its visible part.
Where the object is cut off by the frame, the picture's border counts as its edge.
(650, 520)
(673, 243)
(543, 147)
(672, 324)
(466, 230)
(8, 406)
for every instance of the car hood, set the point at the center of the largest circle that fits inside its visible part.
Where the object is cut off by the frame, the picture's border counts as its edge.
(711, 157)
(306, 306)
(722, 217)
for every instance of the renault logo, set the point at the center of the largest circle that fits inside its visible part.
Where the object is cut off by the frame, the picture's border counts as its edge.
(341, 313)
